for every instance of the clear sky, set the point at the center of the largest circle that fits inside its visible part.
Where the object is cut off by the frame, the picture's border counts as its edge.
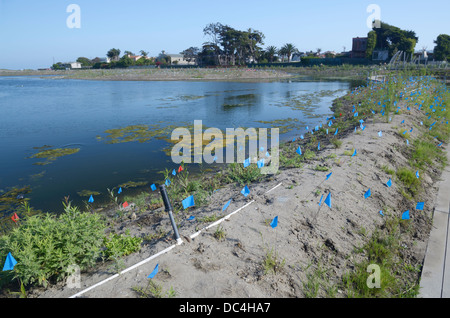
(33, 33)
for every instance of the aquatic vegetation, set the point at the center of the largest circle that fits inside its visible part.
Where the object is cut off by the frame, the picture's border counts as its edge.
(52, 154)
(88, 193)
(12, 198)
(133, 184)
(138, 133)
(284, 125)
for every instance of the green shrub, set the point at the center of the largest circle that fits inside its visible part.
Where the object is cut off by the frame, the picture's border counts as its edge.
(237, 173)
(121, 245)
(409, 179)
(46, 245)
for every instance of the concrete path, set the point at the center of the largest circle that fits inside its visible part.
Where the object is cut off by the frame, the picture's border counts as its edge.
(435, 280)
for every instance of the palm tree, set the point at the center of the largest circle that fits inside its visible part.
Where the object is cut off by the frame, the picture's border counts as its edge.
(288, 50)
(271, 51)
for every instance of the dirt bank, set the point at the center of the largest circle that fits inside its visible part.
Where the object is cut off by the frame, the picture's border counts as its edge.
(312, 247)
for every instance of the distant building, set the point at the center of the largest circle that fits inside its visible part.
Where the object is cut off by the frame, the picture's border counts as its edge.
(297, 57)
(134, 57)
(74, 65)
(101, 60)
(359, 48)
(178, 59)
(380, 55)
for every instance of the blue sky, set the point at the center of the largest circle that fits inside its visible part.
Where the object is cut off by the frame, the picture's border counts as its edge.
(34, 33)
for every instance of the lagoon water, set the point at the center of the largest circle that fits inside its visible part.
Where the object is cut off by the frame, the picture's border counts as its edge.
(63, 113)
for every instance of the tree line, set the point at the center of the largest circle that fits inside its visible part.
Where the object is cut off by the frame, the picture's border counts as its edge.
(229, 46)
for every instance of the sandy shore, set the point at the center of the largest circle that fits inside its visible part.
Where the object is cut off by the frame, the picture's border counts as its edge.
(311, 243)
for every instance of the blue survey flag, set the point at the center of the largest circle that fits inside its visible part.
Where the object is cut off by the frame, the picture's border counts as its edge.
(246, 162)
(417, 174)
(301, 137)
(354, 153)
(380, 134)
(120, 190)
(329, 175)
(10, 262)
(367, 194)
(226, 205)
(389, 183)
(168, 182)
(299, 150)
(191, 218)
(320, 201)
(155, 271)
(245, 191)
(174, 172)
(337, 129)
(153, 187)
(260, 163)
(318, 146)
(328, 200)
(405, 215)
(420, 205)
(274, 222)
(188, 202)
(381, 212)
(91, 199)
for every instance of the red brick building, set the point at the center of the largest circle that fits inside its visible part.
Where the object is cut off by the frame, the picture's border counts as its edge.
(359, 48)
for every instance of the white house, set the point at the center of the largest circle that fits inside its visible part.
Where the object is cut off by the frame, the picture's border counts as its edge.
(177, 59)
(74, 65)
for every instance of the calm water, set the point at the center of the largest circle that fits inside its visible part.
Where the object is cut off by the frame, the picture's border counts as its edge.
(35, 112)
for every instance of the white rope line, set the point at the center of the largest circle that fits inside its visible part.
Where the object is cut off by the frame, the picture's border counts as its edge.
(163, 251)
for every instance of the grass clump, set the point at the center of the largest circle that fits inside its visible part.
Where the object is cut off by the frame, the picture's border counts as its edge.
(272, 263)
(237, 173)
(409, 180)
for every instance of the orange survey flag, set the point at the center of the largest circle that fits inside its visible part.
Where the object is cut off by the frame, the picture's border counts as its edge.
(125, 204)
(15, 217)
(180, 169)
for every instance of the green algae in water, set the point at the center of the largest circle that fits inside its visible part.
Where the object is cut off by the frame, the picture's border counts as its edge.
(137, 133)
(52, 154)
(133, 184)
(88, 193)
(9, 201)
(284, 125)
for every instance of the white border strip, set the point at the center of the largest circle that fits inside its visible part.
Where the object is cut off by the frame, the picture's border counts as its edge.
(165, 250)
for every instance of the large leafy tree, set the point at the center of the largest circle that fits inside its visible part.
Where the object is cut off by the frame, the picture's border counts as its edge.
(231, 46)
(113, 54)
(442, 48)
(84, 61)
(394, 39)
(191, 54)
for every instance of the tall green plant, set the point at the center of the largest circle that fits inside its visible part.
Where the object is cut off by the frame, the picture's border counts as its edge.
(46, 245)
